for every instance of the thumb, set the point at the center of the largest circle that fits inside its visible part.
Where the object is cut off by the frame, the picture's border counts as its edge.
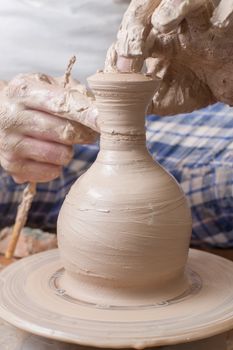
(135, 27)
(115, 63)
(223, 14)
(111, 59)
(170, 13)
(127, 54)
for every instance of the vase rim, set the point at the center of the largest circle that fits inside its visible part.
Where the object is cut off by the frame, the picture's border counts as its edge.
(117, 76)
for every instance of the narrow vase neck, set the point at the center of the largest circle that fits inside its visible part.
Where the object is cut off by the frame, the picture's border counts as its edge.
(122, 130)
(122, 101)
(126, 119)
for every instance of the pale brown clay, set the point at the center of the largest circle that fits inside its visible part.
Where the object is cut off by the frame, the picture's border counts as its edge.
(124, 228)
(123, 279)
(31, 241)
(32, 298)
(12, 338)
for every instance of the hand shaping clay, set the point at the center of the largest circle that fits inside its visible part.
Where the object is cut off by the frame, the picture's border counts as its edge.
(191, 43)
(124, 228)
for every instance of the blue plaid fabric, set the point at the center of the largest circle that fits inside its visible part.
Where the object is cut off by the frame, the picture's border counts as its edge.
(196, 148)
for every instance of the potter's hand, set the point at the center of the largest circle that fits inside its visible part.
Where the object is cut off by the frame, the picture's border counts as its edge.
(193, 55)
(39, 124)
(191, 45)
(128, 53)
(170, 13)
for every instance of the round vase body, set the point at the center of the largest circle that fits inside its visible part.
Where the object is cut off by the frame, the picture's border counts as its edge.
(124, 228)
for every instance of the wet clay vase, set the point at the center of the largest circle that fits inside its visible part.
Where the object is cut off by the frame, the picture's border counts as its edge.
(124, 228)
(122, 276)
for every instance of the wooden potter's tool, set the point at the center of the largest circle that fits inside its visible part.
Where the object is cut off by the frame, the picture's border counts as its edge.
(123, 276)
(29, 191)
(21, 218)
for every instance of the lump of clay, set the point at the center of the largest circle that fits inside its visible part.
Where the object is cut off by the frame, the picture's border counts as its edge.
(31, 241)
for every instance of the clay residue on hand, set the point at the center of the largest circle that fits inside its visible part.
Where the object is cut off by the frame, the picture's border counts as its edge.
(193, 59)
(135, 27)
(68, 71)
(74, 103)
(223, 14)
(127, 54)
(168, 16)
(194, 64)
(31, 241)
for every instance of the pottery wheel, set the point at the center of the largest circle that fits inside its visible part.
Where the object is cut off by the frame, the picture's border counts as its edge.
(31, 299)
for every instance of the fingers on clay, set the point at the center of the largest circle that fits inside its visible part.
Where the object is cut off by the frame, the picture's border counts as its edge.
(36, 172)
(170, 13)
(43, 151)
(223, 14)
(135, 28)
(49, 98)
(49, 127)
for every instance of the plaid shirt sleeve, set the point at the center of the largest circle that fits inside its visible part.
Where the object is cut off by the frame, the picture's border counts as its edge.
(196, 148)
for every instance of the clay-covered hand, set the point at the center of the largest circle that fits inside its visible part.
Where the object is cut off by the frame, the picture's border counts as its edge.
(40, 121)
(188, 46)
